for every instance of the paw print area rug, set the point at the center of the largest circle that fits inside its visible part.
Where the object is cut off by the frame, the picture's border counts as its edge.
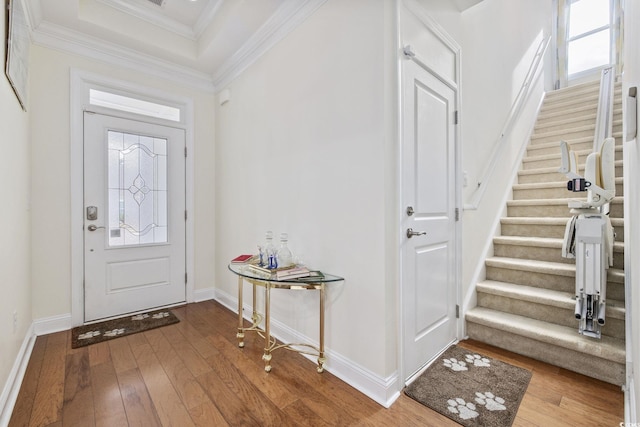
(114, 328)
(471, 389)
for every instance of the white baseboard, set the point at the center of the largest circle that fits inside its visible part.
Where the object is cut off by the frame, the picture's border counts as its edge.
(382, 390)
(49, 325)
(630, 415)
(200, 295)
(14, 381)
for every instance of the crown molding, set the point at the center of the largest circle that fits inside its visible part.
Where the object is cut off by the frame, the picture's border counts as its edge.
(288, 17)
(55, 37)
(207, 16)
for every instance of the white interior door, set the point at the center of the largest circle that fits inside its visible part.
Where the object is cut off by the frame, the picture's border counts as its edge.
(428, 195)
(134, 218)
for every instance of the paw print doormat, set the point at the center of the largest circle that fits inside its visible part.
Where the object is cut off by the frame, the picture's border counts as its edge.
(471, 389)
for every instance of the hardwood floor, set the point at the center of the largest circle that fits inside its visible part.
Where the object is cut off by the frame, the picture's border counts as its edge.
(193, 373)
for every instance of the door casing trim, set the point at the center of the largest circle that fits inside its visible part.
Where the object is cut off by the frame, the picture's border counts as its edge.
(80, 83)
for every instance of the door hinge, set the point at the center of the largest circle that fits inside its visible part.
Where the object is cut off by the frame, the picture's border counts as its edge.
(185, 151)
(457, 214)
(185, 215)
(457, 311)
(455, 117)
(185, 277)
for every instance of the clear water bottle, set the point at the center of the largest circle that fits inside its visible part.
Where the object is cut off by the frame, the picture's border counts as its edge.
(285, 257)
(270, 251)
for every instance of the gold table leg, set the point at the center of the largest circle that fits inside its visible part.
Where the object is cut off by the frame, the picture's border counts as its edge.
(240, 333)
(267, 333)
(321, 358)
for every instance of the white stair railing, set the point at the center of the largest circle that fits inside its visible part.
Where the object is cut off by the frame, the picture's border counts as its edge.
(498, 146)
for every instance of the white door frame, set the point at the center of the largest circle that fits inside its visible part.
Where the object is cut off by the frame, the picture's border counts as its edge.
(441, 35)
(80, 83)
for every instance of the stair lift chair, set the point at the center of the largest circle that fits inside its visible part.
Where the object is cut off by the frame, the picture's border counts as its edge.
(589, 235)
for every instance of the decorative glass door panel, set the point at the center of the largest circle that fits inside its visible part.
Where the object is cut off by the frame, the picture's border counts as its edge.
(137, 200)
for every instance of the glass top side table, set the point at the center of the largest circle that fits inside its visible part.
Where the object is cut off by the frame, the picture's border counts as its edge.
(269, 281)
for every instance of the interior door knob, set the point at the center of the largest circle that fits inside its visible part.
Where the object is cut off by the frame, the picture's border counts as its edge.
(411, 233)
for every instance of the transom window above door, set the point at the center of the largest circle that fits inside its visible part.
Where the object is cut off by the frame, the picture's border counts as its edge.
(128, 104)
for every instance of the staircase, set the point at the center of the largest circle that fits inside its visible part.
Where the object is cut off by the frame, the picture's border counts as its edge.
(526, 304)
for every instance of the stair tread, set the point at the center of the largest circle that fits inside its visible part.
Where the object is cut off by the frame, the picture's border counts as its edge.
(536, 220)
(583, 89)
(564, 200)
(582, 107)
(575, 141)
(553, 169)
(550, 297)
(558, 155)
(608, 348)
(547, 267)
(545, 242)
(616, 134)
(568, 130)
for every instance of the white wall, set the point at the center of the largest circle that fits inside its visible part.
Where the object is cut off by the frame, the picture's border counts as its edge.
(50, 157)
(15, 275)
(306, 146)
(631, 77)
(499, 42)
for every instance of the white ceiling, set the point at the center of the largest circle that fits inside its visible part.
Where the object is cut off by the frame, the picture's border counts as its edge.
(205, 39)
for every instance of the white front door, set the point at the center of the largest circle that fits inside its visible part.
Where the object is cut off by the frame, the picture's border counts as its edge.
(428, 197)
(134, 216)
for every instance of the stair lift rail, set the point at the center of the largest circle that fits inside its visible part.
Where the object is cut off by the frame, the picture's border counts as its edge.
(589, 235)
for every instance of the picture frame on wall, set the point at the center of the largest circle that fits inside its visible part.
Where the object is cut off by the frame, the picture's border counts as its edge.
(17, 61)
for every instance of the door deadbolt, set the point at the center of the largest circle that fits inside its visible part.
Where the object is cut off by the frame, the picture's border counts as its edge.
(410, 210)
(92, 213)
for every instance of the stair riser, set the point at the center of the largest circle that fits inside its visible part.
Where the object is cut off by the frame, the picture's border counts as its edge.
(553, 231)
(561, 121)
(615, 290)
(551, 193)
(533, 151)
(559, 316)
(555, 100)
(585, 144)
(586, 95)
(537, 163)
(555, 125)
(530, 178)
(555, 211)
(582, 363)
(574, 113)
(544, 254)
(567, 134)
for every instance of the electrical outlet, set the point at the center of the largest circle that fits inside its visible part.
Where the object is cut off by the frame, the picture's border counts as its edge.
(15, 321)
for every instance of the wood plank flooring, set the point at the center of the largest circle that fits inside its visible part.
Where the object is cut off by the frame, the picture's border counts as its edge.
(193, 374)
